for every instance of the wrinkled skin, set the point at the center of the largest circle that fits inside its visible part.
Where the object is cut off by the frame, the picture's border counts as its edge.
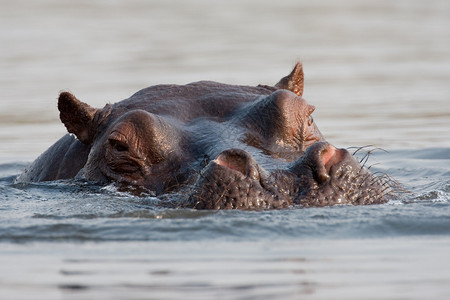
(323, 176)
(210, 146)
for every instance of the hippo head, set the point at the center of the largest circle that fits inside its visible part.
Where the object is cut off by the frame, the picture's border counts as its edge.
(219, 146)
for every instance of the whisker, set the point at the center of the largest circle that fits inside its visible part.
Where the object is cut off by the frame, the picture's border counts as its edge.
(364, 180)
(358, 149)
(375, 164)
(365, 158)
(192, 168)
(378, 174)
(222, 195)
(360, 169)
(389, 183)
(383, 191)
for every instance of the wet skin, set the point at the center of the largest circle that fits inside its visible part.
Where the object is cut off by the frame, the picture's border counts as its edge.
(209, 146)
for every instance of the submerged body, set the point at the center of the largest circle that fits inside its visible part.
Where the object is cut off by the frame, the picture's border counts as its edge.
(217, 145)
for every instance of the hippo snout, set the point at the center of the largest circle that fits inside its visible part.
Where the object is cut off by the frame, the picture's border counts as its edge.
(324, 175)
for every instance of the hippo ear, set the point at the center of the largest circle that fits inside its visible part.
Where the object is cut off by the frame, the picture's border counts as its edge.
(294, 81)
(78, 117)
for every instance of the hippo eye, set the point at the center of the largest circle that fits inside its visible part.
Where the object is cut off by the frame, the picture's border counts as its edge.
(310, 120)
(118, 145)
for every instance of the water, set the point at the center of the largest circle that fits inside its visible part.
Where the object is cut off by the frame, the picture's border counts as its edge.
(378, 75)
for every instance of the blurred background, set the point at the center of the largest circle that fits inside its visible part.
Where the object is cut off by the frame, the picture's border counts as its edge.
(378, 72)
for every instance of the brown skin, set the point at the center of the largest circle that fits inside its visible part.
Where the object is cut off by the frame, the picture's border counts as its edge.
(194, 141)
(325, 175)
(322, 176)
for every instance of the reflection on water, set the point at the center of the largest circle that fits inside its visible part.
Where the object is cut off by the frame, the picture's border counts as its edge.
(247, 270)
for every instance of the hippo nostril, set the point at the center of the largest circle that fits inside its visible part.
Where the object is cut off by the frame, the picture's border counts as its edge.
(327, 157)
(331, 156)
(240, 161)
(232, 161)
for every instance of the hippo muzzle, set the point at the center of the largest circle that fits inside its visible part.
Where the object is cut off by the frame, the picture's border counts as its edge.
(323, 176)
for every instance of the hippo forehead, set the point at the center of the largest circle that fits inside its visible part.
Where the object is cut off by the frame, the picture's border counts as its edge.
(191, 101)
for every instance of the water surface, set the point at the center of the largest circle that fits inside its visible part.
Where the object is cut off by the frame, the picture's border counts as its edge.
(378, 75)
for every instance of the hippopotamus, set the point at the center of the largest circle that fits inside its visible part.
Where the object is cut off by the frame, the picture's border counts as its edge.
(209, 145)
